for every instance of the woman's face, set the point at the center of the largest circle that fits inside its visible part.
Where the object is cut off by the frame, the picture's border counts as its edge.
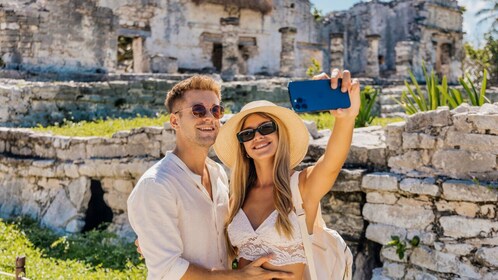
(261, 146)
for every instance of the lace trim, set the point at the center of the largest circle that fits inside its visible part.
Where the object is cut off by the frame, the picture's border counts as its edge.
(293, 254)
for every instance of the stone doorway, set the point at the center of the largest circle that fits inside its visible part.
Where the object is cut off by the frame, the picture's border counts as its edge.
(130, 54)
(217, 56)
(98, 213)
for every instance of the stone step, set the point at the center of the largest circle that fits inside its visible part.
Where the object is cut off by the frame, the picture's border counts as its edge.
(388, 99)
(388, 109)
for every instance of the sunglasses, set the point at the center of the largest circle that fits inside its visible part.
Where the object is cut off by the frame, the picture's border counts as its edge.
(263, 129)
(200, 111)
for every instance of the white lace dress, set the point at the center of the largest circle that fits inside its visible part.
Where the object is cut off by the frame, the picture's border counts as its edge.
(253, 244)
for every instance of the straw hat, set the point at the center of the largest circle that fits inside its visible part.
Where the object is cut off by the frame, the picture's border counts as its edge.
(226, 144)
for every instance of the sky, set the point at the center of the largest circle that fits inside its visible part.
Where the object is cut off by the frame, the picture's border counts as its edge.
(474, 32)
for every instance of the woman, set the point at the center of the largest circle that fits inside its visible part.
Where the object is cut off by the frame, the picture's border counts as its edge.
(262, 144)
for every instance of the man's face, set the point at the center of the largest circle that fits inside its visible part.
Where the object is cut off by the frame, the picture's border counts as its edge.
(191, 129)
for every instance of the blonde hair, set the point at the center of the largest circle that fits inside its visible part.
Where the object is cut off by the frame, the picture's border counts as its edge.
(199, 82)
(244, 176)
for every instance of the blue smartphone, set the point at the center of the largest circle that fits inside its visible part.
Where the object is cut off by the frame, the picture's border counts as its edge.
(316, 96)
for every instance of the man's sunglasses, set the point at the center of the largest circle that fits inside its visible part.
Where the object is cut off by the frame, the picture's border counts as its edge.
(263, 129)
(200, 111)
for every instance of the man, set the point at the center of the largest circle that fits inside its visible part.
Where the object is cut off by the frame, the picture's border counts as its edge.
(178, 207)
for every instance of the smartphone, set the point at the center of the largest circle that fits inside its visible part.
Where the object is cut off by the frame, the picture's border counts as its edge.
(316, 96)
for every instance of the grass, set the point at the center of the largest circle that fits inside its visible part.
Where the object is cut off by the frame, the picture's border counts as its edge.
(326, 120)
(106, 128)
(93, 255)
(102, 128)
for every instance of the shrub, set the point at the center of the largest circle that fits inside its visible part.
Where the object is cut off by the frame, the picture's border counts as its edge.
(476, 98)
(314, 68)
(368, 97)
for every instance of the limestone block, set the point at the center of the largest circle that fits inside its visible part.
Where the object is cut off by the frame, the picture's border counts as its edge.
(472, 142)
(488, 256)
(394, 135)
(71, 170)
(406, 162)
(468, 191)
(381, 197)
(418, 141)
(168, 141)
(459, 249)
(442, 262)
(139, 138)
(345, 207)
(106, 150)
(426, 237)
(377, 274)
(394, 270)
(417, 186)
(399, 215)
(479, 242)
(346, 224)
(381, 233)
(490, 275)
(59, 213)
(488, 108)
(349, 180)
(414, 203)
(73, 152)
(312, 129)
(462, 123)
(488, 211)
(413, 274)
(466, 209)
(79, 193)
(116, 201)
(458, 227)
(422, 120)
(380, 181)
(390, 254)
(123, 186)
(457, 163)
(484, 123)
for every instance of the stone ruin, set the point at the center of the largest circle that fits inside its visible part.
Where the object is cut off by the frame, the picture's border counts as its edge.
(434, 176)
(374, 39)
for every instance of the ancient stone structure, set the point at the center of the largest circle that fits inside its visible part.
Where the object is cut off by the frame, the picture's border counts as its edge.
(433, 176)
(209, 35)
(230, 37)
(411, 32)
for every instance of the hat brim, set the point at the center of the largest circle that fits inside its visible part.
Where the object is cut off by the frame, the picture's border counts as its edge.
(226, 145)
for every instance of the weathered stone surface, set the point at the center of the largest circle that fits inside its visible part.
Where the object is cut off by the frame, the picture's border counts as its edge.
(442, 262)
(79, 193)
(413, 274)
(420, 121)
(459, 249)
(377, 274)
(458, 163)
(472, 142)
(416, 186)
(394, 270)
(488, 211)
(488, 256)
(458, 227)
(414, 203)
(468, 191)
(394, 135)
(382, 233)
(406, 162)
(381, 197)
(116, 200)
(390, 254)
(398, 215)
(380, 181)
(60, 212)
(418, 141)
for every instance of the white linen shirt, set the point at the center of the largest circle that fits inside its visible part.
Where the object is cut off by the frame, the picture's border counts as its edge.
(176, 221)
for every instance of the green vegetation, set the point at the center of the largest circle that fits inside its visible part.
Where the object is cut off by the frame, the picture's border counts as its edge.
(415, 100)
(103, 128)
(325, 120)
(93, 255)
(368, 97)
(314, 69)
(485, 58)
(401, 244)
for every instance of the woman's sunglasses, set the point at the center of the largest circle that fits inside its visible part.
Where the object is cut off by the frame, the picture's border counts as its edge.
(200, 111)
(263, 129)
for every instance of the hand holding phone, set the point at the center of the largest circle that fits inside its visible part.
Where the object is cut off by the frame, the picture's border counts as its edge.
(316, 96)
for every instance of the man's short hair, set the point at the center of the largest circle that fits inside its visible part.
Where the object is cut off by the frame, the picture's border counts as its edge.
(197, 82)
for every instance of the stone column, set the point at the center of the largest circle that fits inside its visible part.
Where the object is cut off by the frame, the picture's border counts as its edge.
(230, 31)
(372, 69)
(404, 56)
(287, 55)
(337, 50)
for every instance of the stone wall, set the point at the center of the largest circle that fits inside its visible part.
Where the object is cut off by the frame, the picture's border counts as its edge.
(26, 104)
(66, 34)
(433, 176)
(425, 31)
